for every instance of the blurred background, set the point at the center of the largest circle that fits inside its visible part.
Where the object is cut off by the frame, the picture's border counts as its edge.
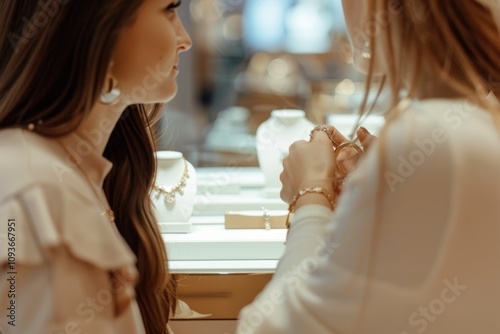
(250, 57)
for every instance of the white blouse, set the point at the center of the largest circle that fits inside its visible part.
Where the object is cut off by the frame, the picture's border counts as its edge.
(57, 252)
(413, 247)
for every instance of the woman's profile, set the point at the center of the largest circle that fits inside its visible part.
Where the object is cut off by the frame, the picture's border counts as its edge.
(82, 84)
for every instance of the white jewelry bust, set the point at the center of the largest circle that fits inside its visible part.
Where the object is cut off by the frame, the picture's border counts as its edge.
(274, 137)
(174, 193)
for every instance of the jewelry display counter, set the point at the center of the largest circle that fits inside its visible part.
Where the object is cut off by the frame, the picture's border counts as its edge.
(221, 270)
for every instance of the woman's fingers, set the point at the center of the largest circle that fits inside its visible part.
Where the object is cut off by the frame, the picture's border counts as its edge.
(336, 137)
(307, 164)
(365, 137)
(314, 163)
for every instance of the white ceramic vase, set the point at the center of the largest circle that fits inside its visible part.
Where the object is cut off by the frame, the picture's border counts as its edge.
(174, 208)
(274, 137)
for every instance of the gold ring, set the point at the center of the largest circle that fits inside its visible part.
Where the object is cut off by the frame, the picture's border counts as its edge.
(341, 147)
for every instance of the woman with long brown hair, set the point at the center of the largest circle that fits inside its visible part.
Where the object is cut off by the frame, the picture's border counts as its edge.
(82, 84)
(412, 244)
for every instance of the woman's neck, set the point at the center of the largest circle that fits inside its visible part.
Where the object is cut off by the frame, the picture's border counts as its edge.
(432, 86)
(99, 125)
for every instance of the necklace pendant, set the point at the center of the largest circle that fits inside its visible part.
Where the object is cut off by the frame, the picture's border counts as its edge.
(169, 198)
(109, 213)
(267, 217)
(169, 192)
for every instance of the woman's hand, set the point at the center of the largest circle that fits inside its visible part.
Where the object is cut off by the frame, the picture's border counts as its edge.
(308, 164)
(312, 164)
(365, 138)
(348, 157)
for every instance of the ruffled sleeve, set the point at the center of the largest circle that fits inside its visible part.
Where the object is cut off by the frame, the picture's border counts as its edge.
(23, 241)
(65, 259)
(42, 218)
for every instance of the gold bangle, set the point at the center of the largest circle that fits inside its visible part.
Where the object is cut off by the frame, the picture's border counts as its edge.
(340, 148)
(302, 192)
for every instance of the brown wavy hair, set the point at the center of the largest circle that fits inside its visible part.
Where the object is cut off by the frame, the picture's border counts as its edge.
(54, 57)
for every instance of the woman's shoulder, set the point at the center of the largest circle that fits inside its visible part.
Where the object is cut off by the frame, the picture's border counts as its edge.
(28, 158)
(450, 115)
(458, 126)
(50, 211)
(46, 217)
(432, 141)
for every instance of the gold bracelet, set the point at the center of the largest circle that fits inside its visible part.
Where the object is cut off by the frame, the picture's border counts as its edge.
(302, 192)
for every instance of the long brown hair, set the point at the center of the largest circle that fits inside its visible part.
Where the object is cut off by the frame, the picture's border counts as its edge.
(456, 40)
(54, 57)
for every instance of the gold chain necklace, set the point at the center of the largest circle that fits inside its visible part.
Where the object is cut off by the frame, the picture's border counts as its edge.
(105, 208)
(169, 192)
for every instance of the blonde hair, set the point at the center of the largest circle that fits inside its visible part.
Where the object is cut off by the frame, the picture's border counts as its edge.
(457, 40)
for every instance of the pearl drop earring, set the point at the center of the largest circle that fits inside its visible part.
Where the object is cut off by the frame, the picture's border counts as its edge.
(111, 93)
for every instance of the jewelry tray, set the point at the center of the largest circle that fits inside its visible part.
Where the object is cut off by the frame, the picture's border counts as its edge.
(254, 219)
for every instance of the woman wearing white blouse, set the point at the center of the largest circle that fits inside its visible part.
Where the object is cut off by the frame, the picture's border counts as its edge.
(413, 242)
(81, 85)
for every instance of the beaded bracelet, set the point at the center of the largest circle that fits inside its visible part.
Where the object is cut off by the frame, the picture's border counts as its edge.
(302, 192)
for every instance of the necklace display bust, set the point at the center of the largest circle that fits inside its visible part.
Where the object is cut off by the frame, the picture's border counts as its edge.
(274, 137)
(174, 192)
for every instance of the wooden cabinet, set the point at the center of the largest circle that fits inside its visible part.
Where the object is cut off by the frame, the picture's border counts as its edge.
(222, 296)
(219, 270)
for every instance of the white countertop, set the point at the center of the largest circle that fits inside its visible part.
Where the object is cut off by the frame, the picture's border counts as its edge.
(223, 267)
(212, 249)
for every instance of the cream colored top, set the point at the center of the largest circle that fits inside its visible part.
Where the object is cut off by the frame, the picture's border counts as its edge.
(412, 249)
(63, 252)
